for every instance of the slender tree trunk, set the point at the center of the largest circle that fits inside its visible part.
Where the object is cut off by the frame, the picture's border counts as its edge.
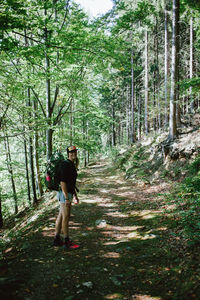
(127, 114)
(146, 85)
(36, 146)
(31, 161)
(49, 131)
(191, 63)
(87, 138)
(71, 122)
(1, 215)
(32, 170)
(10, 170)
(27, 171)
(172, 123)
(154, 86)
(166, 67)
(37, 165)
(88, 157)
(132, 101)
(123, 117)
(84, 133)
(178, 108)
(158, 80)
(25, 144)
(139, 117)
(113, 126)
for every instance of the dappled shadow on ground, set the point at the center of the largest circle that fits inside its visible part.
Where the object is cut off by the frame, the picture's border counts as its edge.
(124, 254)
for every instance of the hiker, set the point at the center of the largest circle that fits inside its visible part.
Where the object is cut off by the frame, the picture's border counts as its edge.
(68, 175)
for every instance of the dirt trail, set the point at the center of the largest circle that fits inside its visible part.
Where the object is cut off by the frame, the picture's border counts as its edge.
(124, 251)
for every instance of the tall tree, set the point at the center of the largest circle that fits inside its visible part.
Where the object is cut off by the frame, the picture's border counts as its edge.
(10, 171)
(166, 64)
(191, 62)
(133, 137)
(146, 109)
(173, 95)
(1, 215)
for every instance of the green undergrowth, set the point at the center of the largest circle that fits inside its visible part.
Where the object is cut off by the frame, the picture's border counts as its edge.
(134, 162)
(145, 164)
(184, 201)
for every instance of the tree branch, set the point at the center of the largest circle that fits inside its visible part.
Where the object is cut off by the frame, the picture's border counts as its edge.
(66, 11)
(60, 113)
(55, 98)
(37, 97)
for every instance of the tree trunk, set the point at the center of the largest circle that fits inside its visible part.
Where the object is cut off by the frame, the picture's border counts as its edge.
(158, 80)
(191, 64)
(172, 123)
(49, 131)
(154, 86)
(178, 109)
(113, 126)
(146, 85)
(1, 215)
(31, 154)
(71, 122)
(10, 170)
(27, 171)
(36, 146)
(132, 101)
(32, 170)
(25, 144)
(85, 139)
(139, 117)
(37, 165)
(127, 114)
(166, 68)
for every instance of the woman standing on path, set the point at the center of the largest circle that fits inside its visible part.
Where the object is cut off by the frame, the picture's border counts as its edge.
(68, 175)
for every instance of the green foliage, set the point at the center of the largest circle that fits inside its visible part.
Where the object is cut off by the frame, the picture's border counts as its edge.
(140, 14)
(194, 4)
(133, 161)
(194, 83)
(186, 199)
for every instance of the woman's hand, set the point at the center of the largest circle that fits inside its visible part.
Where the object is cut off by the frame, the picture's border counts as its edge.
(76, 200)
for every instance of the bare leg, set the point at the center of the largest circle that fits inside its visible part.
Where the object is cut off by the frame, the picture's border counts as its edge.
(59, 222)
(65, 215)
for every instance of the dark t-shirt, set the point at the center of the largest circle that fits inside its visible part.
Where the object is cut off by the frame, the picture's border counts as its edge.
(68, 174)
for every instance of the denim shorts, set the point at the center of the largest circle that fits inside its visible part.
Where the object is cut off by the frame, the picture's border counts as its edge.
(61, 197)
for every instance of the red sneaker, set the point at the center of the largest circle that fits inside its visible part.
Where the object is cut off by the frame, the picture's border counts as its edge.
(70, 245)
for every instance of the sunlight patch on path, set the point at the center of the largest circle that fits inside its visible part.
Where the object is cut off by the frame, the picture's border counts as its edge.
(90, 201)
(125, 233)
(107, 204)
(112, 255)
(134, 297)
(116, 214)
(145, 214)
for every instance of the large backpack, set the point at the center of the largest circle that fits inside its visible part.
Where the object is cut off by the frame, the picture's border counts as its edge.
(52, 179)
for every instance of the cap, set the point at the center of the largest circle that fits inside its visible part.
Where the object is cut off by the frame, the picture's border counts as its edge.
(71, 149)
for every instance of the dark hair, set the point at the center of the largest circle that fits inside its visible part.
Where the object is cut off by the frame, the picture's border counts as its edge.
(76, 162)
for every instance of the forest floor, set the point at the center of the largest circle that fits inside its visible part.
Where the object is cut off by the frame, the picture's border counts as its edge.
(128, 249)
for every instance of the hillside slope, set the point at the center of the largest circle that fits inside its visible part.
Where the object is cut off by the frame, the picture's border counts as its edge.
(130, 246)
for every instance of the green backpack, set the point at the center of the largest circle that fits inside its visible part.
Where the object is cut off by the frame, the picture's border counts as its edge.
(52, 180)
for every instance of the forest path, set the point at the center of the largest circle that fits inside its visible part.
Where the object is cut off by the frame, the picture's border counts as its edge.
(124, 246)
